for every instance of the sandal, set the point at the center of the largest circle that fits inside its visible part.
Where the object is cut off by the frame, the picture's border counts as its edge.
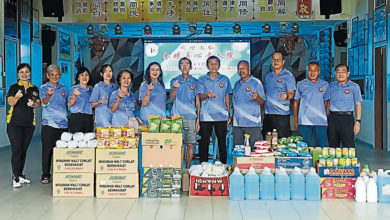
(45, 180)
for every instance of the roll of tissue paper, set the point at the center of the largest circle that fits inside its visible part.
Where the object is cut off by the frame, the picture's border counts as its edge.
(61, 144)
(66, 136)
(92, 144)
(89, 136)
(82, 144)
(73, 144)
(78, 136)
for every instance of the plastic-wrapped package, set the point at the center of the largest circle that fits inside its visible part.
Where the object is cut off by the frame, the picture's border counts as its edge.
(92, 144)
(66, 136)
(82, 144)
(73, 144)
(61, 144)
(78, 136)
(89, 136)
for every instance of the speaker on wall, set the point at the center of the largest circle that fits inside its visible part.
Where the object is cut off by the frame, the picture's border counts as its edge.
(330, 7)
(53, 8)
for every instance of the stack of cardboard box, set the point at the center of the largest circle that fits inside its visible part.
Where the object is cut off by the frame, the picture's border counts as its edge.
(162, 157)
(73, 171)
(117, 173)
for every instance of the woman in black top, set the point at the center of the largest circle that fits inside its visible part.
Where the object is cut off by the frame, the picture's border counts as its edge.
(23, 97)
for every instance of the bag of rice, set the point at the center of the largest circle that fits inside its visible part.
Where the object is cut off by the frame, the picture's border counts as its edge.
(89, 136)
(78, 136)
(61, 144)
(165, 126)
(82, 144)
(92, 143)
(154, 124)
(177, 124)
(73, 144)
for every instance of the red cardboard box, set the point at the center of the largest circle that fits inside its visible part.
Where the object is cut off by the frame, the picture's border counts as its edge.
(337, 182)
(209, 186)
(338, 188)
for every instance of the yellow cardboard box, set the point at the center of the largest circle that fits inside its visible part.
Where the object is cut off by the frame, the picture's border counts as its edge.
(73, 184)
(76, 160)
(117, 185)
(162, 150)
(117, 160)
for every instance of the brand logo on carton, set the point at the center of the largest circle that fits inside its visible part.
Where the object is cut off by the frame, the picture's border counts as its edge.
(209, 181)
(73, 176)
(74, 152)
(117, 153)
(168, 141)
(152, 142)
(117, 177)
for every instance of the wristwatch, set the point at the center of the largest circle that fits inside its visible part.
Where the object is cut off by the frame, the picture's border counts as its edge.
(359, 120)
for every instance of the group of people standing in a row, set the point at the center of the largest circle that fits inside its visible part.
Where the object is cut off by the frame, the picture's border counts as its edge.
(203, 103)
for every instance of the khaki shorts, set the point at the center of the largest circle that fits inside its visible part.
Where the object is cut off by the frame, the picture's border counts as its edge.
(189, 131)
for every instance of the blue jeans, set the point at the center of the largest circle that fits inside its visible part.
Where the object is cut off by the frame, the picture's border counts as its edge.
(314, 135)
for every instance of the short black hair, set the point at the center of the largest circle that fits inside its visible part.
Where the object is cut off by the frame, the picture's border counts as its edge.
(242, 61)
(314, 63)
(278, 51)
(185, 58)
(342, 65)
(79, 72)
(118, 78)
(213, 57)
(21, 66)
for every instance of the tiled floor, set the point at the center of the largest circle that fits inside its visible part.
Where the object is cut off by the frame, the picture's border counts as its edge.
(34, 201)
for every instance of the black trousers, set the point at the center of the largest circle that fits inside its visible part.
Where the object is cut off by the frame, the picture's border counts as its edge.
(205, 132)
(80, 122)
(279, 122)
(49, 136)
(340, 129)
(20, 138)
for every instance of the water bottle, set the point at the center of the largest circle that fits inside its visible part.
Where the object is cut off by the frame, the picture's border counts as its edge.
(252, 186)
(236, 185)
(267, 185)
(297, 184)
(360, 193)
(383, 183)
(247, 146)
(372, 191)
(282, 185)
(312, 184)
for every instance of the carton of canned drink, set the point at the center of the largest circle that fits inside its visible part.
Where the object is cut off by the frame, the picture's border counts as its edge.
(345, 152)
(325, 151)
(354, 161)
(347, 162)
(332, 152)
(342, 162)
(351, 152)
(335, 161)
(329, 162)
(338, 152)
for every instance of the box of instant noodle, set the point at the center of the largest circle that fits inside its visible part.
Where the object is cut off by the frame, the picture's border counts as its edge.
(162, 150)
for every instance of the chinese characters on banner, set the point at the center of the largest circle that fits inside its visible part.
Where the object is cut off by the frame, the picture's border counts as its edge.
(304, 9)
(113, 11)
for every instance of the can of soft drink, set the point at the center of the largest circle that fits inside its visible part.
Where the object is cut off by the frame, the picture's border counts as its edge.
(342, 162)
(332, 152)
(345, 152)
(325, 151)
(338, 152)
(351, 152)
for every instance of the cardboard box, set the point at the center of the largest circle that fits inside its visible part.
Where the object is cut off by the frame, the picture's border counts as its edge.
(338, 193)
(75, 160)
(244, 163)
(73, 184)
(160, 193)
(162, 172)
(117, 160)
(117, 185)
(209, 186)
(162, 150)
(161, 182)
(185, 180)
(291, 162)
(346, 172)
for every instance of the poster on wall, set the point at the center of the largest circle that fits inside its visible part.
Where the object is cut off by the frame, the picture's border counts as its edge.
(64, 46)
(380, 25)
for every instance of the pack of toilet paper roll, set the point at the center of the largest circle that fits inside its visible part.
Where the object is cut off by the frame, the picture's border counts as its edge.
(78, 139)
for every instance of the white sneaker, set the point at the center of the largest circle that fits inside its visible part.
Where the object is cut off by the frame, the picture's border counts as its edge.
(24, 180)
(16, 184)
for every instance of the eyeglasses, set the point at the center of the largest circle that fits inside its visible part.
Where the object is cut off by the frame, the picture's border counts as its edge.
(276, 60)
(341, 72)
